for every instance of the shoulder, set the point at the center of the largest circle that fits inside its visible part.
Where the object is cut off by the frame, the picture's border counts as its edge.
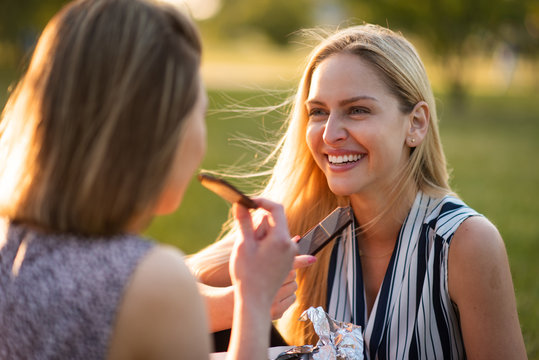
(162, 265)
(444, 214)
(476, 237)
(480, 284)
(162, 312)
(477, 255)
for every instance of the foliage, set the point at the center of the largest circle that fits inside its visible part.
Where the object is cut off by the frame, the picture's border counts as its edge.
(452, 30)
(455, 29)
(276, 19)
(459, 26)
(21, 21)
(450, 27)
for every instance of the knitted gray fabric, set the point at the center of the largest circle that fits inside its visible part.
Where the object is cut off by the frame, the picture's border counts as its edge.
(61, 302)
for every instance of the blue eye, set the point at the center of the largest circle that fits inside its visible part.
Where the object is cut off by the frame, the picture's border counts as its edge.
(316, 112)
(358, 111)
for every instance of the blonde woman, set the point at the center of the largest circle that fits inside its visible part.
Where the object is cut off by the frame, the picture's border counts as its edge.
(424, 275)
(103, 132)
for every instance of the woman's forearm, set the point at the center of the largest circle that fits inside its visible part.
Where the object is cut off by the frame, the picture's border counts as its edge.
(250, 333)
(219, 305)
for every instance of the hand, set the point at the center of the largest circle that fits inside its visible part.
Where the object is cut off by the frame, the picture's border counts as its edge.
(262, 258)
(286, 295)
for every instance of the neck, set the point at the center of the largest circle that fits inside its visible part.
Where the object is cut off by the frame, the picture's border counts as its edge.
(380, 218)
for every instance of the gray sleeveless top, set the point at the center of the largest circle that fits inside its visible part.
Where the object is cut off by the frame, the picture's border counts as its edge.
(59, 294)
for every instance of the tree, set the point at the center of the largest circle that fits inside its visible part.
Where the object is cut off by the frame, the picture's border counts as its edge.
(276, 19)
(455, 29)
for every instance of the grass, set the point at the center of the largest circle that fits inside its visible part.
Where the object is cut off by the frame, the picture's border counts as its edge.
(491, 145)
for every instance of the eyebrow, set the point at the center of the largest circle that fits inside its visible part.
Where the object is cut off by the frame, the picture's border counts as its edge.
(343, 102)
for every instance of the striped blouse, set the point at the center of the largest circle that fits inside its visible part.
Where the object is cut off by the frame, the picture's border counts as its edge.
(413, 316)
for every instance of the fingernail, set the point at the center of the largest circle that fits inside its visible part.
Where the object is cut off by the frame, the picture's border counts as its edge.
(312, 259)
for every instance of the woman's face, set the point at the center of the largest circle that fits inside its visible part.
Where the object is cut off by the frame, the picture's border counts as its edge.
(356, 132)
(189, 155)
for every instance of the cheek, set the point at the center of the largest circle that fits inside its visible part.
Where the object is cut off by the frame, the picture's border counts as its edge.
(313, 137)
(195, 143)
(389, 152)
(202, 142)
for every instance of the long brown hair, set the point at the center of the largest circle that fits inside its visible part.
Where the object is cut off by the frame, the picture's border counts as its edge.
(89, 134)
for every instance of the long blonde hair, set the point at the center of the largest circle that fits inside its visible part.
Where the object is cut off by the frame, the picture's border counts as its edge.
(299, 184)
(88, 137)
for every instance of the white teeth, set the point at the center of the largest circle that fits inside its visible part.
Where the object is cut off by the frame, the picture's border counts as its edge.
(343, 158)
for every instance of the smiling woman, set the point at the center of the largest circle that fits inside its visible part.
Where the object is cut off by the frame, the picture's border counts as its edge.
(358, 140)
(415, 269)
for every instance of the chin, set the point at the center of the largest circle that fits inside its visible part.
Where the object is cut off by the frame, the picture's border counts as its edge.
(341, 190)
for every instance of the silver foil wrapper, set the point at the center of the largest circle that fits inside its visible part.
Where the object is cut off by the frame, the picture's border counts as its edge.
(338, 340)
(304, 352)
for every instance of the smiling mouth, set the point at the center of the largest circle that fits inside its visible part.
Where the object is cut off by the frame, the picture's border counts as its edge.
(344, 159)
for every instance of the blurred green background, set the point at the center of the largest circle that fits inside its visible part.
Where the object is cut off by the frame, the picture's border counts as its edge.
(481, 56)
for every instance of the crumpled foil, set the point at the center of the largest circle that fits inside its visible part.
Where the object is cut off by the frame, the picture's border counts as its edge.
(297, 353)
(337, 340)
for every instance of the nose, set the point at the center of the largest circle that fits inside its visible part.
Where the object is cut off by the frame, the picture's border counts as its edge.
(335, 130)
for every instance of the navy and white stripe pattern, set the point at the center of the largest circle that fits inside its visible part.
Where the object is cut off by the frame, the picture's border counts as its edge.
(413, 316)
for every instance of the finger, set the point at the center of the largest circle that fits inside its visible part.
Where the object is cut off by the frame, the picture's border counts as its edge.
(243, 217)
(301, 261)
(278, 309)
(294, 248)
(291, 277)
(296, 239)
(276, 210)
(285, 291)
(262, 228)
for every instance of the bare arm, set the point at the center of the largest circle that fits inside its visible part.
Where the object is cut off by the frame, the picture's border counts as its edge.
(480, 284)
(260, 262)
(162, 315)
(215, 275)
(220, 300)
(219, 305)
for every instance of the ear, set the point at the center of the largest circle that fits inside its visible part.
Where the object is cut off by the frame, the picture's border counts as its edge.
(418, 124)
